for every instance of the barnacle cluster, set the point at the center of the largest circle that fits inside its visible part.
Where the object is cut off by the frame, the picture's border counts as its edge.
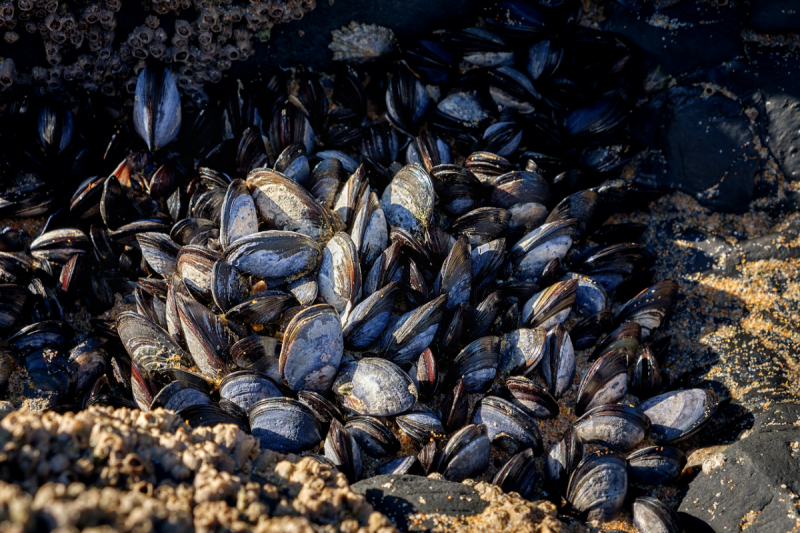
(83, 48)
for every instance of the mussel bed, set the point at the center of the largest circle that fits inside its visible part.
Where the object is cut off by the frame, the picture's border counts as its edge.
(399, 268)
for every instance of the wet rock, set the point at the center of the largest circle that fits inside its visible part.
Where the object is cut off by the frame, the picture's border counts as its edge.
(775, 15)
(709, 147)
(753, 483)
(398, 497)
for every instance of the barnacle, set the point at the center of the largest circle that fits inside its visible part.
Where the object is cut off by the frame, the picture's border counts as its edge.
(207, 40)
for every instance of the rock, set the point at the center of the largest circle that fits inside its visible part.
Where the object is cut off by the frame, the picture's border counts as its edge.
(467, 507)
(680, 38)
(306, 41)
(400, 496)
(775, 15)
(783, 123)
(753, 483)
(709, 147)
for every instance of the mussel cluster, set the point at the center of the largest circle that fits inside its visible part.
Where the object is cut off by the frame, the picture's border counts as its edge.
(417, 297)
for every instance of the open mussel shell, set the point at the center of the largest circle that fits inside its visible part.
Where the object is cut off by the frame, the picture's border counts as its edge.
(339, 277)
(653, 516)
(598, 486)
(407, 201)
(276, 256)
(238, 215)
(245, 388)
(312, 349)
(678, 415)
(466, 453)
(518, 474)
(507, 425)
(263, 308)
(374, 436)
(284, 425)
(421, 425)
(550, 306)
(179, 395)
(374, 387)
(656, 465)
(343, 451)
(615, 426)
(562, 459)
(521, 350)
(149, 346)
(285, 205)
(157, 109)
(413, 332)
(476, 365)
(531, 398)
(559, 363)
(605, 382)
(649, 307)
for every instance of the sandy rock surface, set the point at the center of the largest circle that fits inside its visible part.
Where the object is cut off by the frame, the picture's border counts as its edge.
(106, 470)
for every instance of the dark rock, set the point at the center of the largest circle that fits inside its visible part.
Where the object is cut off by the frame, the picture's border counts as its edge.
(767, 84)
(775, 15)
(709, 147)
(400, 496)
(783, 123)
(753, 483)
(305, 42)
(681, 38)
